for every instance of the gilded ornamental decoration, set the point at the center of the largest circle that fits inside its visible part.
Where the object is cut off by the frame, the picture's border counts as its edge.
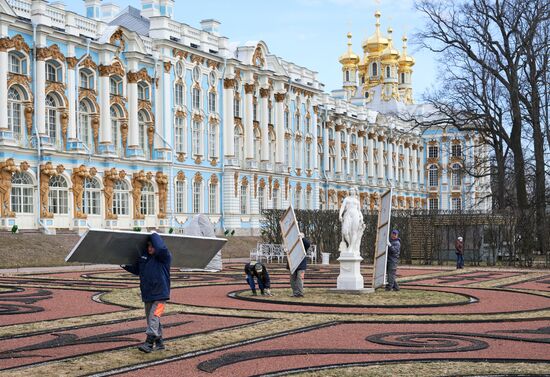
(114, 69)
(162, 184)
(258, 59)
(46, 172)
(110, 177)
(117, 40)
(7, 168)
(138, 180)
(17, 42)
(141, 75)
(52, 52)
(78, 177)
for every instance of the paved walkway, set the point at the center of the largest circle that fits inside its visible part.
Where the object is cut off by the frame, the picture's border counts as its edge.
(87, 320)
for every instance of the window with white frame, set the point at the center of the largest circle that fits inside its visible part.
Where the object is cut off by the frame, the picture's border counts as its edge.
(116, 118)
(22, 190)
(257, 144)
(212, 140)
(17, 63)
(120, 198)
(237, 106)
(244, 200)
(180, 196)
(255, 110)
(261, 199)
(143, 119)
(433, 176)
(15, 111)
(196, 98)
(85, 123)
(287, 151)
(331, 159)
(213, 197)
(275, 198)
(115, 85)
(212, 101)
(197, 197)
(53, 71)
(51, 118)
(308, 155)
(143, 91)
(388, 72)
(433, 151)
(353, 166)
(298, 153)
(374, 69)
(272, 147)
(456, 176)
(196, 140)
(180, 134)
(297, 122)
(147, 199)
(238, 140)
(456, 150)
(269, 113)
(58, 195)
(178, 94)
(86, 79)
(287, 120)
(456, 204)
(433, 204)
(91, 197)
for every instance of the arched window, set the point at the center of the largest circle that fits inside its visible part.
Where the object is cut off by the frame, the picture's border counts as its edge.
(213, 197)
(331, 159)
(197, 197)
(91, 197)
(86, 79)
(331, 134)
(212, 101)
(53, 71)
(347, 75)
(116, 118)
(237, 106)
(15, 111)
(374, 69)
(388, 72)
(344, 162)
(178, 94)
(180, 134)
(261, 199)
(196, 96)
(58, 196)
(143, 120)
(255, 109)
(287, 120)
(196, 140)
(239, 143)
(287, 151)
(116, 85)
(456, 178)
(433, 176)
(244, 200)
(22, 193)
(52, 118)
(272, 147)
(402, 78)
(180, 196)
(147, 199)
(308, 155)
(17, 63)
(297, 122)
(275, 198)
(354, 139)
(120, 198)
(143, 91)
(212, 140)
(354, 164)
(85, 123)
(257, 144)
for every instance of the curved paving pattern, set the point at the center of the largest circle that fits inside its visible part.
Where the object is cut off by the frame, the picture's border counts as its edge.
(89, 324)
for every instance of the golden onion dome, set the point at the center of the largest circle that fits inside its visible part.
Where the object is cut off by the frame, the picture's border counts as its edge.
(375, 43)
(405, 60)
(390, 54)
(349, 57)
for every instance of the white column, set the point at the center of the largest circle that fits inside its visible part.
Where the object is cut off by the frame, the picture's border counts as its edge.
(406, 164)
(390, 160)
(40, 93)
(71, 87)
(248, 125)
(381, 173)
(133, 125)
(105, 134)
(415, 165)
(315, 150)
(421, 164)
(372, 171)
(348, 154)
(228, 117)
(264, 120)
(361, 155)
(165, 111)
(338, 143)
(325, 148)
(3, 89)
(279, 128)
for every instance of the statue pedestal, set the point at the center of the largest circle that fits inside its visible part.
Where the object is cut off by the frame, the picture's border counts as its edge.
(350, 278)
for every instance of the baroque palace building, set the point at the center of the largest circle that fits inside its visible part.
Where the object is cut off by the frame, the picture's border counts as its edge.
(122, 119)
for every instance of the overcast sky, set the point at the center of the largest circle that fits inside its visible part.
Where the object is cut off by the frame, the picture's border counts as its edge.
(310, 33)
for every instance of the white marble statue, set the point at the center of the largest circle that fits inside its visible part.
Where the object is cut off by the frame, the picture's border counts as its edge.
(352, 224)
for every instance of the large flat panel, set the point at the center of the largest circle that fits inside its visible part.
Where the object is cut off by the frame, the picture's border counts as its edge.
(124, 247)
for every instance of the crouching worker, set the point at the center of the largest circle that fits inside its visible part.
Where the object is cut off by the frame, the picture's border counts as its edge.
(153, 269)
(259, 271)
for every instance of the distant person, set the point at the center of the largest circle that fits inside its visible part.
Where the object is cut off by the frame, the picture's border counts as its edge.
(259, 272)
(394, 249)
(297, 278)
(459, 246)
(153, 269)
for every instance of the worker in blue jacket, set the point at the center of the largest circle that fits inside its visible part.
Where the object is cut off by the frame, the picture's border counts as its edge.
(153, 269)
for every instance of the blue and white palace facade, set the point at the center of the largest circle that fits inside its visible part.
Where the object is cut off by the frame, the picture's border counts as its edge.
(122, 119)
